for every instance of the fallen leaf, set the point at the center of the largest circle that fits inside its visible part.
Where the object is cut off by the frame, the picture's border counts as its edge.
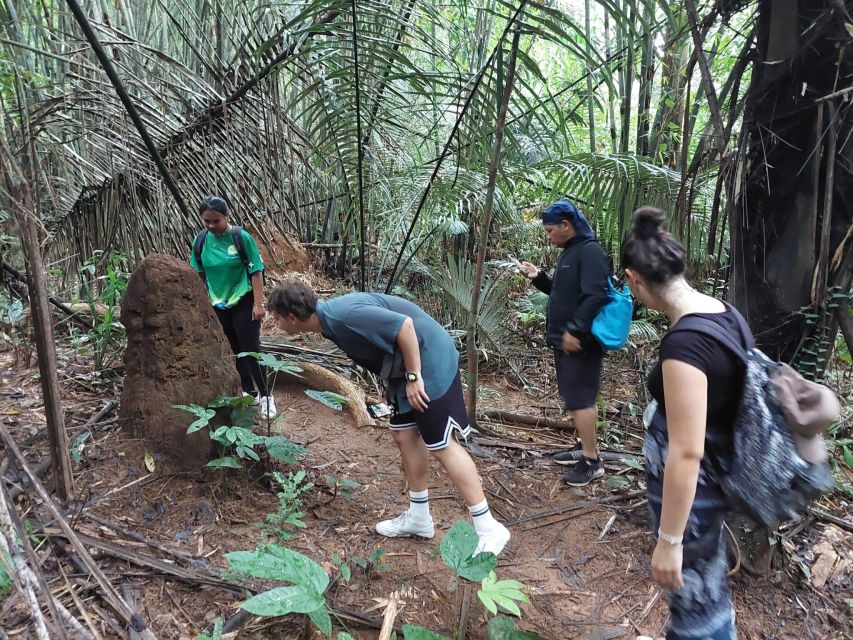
(149, 462)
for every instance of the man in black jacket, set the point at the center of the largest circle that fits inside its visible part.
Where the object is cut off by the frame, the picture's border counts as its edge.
(577, 292)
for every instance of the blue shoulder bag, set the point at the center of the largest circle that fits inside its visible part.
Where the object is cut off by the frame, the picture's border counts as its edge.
(610, 326)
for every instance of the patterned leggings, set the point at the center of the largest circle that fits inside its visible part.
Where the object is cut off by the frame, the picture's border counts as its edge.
(702, 607)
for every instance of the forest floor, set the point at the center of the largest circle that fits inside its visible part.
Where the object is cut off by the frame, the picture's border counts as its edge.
(586, 570)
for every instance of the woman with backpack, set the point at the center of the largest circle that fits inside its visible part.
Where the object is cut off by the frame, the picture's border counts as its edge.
(696, 385)
(227, 259)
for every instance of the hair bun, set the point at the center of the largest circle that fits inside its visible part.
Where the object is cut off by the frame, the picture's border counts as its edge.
(648, 222)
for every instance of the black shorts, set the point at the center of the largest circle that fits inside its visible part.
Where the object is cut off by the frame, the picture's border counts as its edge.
(579, 377)
(441, 417)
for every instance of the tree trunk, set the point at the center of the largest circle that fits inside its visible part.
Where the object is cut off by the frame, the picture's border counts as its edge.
(775, 240)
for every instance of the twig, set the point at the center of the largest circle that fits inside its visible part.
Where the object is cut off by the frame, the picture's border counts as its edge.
(465, 612)
(129, 616)
(576, 506)
(645, 613)
(180, 556)
(388, 618)
(828, 517)
(736, 546)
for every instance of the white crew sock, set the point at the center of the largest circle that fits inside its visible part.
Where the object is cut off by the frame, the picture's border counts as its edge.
(419, 505)
(482, 516)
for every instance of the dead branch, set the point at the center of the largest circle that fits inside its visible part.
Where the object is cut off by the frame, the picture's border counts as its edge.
(130, 617)
(520, 418)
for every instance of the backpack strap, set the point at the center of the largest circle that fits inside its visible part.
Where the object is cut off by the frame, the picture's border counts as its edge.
(198, 245)
(708, 327)
(237, 239)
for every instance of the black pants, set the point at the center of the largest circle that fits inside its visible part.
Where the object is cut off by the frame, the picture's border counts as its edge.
(244, 334)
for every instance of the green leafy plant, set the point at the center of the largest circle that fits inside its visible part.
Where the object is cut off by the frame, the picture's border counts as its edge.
(503, 628)
(373, 563)
(457, 549)
(238, 442)
(76, 449)
(343, 567)
(413, 632)
(103, 292)
(343, 487)
(305, 594)
(281, 524)
(505, 593)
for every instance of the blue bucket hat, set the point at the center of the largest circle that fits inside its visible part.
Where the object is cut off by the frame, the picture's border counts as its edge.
(565, 209)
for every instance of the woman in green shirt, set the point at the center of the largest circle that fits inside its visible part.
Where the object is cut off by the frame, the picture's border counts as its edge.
(228, 261)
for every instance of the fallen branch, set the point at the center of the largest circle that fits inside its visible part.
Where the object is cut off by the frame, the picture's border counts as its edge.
(520, 418)
(130, 617)
(828, 517)
(54, 301)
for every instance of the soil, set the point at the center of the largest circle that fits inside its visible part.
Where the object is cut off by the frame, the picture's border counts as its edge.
(586, 571)
(176, 354)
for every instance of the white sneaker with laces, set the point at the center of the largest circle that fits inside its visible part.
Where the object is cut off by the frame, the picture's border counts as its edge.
(255, 401)
(405, 525)
(493, 540)
(267, 407)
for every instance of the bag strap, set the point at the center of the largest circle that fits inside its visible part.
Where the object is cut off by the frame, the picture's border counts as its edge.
(198, 245)
(710, 328)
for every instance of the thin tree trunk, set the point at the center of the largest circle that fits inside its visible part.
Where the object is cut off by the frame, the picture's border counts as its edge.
(471, 337)
(611, 109)
(627, 87)
(590, 102)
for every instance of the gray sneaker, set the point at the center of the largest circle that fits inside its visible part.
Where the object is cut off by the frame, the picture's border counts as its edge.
(584, 472)
(570, 456)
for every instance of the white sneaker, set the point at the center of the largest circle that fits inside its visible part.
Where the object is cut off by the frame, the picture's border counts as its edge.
(405, 525)
(493, 541)
(255, 401)
(267, 407)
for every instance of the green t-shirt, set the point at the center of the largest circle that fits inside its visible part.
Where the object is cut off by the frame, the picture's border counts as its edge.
(226, 275)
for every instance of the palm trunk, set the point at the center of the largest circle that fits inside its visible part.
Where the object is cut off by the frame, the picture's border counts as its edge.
(471, 337)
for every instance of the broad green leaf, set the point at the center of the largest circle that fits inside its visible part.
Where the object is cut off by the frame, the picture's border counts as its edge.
(273, 364)
(278, 563)
(412, 632)
(458, 545)
(228, 461)
(478, 567)
(617, 482)
(328, 398)
(149, 461)
(503, 628)
(283, 600)
(633, 463)
(284, 449)
(346, 573)
(244, 417)
(505, 593)
(232, 401)
(343, 635)
(321, 618)
(848, 457)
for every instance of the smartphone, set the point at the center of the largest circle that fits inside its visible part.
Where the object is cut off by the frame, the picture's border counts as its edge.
(379, 410)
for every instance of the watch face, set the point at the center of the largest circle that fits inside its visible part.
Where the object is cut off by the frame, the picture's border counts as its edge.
(412, 377)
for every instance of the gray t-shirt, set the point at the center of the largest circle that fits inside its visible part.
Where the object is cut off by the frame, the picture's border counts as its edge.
(365, 327)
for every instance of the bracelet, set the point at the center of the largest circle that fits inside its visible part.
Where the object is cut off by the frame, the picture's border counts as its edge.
(672, 540)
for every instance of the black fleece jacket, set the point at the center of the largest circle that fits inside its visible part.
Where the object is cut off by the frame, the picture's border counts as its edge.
(578, 291)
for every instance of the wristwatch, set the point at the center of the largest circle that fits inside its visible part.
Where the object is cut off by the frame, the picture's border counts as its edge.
(673, 541)
(413, 376)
